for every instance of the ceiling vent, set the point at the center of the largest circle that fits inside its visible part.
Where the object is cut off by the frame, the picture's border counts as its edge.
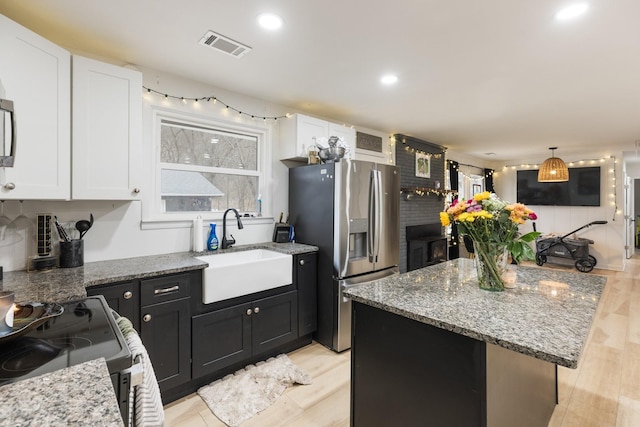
(224, 44)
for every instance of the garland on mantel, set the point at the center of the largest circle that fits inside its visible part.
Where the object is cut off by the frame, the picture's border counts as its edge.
(215, 100)
(425, 191)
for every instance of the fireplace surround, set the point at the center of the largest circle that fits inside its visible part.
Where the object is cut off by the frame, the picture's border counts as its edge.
(426, 245)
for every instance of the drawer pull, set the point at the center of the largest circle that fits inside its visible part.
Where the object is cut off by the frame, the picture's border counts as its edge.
(167, 290)
(147, 317)
(301, 262)
(256, 310)
(128, 295)
(249, 312)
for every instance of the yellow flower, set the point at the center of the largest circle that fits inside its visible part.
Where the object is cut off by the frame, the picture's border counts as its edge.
(466, 217)
(444, 219)
(482, 196)
(483, 214)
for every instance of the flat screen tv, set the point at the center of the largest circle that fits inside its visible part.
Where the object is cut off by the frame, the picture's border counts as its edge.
(582, 189)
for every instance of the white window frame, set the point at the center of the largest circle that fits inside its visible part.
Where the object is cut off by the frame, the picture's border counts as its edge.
(152, 212)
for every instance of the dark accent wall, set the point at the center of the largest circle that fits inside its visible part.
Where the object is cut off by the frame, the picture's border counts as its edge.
(419, 209)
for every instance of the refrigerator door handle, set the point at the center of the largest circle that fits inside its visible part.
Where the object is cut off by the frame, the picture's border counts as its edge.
(378, 215)
(371, 217)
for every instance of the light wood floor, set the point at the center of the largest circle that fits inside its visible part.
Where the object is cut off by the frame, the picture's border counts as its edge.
(603, 391)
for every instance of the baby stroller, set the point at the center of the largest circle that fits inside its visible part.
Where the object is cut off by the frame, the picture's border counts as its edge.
(562, 247)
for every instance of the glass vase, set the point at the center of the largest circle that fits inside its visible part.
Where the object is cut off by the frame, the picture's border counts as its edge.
(491, 264)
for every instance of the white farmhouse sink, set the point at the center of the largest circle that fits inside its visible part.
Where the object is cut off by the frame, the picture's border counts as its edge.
(235, 274)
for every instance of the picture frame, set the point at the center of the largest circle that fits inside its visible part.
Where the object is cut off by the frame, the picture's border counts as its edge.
(423, 165)
(477, 188)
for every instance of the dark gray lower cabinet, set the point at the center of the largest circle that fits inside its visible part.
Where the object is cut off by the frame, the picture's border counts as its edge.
(274, 322)
(124, 298)
(221, 338)
(224, 337)
(165, 332)
(305, 278)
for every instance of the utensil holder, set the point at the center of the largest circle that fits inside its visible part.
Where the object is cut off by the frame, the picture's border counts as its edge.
(72, 253)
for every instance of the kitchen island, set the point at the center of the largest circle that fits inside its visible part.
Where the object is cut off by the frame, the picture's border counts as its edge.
(431, 348)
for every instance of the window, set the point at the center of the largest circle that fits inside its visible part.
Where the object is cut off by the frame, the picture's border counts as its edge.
(470, 181)
(208, 168)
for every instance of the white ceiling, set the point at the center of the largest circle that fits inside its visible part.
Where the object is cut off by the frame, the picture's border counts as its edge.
(498, 76)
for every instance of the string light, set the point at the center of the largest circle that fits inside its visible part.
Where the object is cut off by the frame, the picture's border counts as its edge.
(612, 171)
(411, 149)
(456, 166)
(425, 191)
(214, 100)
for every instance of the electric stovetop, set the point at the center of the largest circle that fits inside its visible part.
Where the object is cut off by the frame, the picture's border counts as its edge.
(85, 331)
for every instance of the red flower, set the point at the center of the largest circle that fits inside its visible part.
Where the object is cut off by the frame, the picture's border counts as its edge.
(533, 215)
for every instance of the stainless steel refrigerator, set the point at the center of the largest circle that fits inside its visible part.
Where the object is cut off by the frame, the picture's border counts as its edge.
(350, 210)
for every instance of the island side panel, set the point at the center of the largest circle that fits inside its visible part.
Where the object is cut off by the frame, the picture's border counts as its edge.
(521, 390)
(411, 374)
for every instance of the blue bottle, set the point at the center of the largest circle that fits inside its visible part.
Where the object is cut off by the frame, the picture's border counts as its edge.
(212, 241)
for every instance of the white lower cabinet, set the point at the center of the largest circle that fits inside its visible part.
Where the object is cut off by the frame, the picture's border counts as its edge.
(35, 75)
(107, 131)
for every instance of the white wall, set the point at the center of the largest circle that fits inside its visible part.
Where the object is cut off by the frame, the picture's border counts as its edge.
(119, 230)
(609, 239)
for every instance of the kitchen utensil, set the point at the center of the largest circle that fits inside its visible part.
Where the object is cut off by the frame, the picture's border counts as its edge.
(333, 141)
(331, 154)
(61, 231)
(83, 225)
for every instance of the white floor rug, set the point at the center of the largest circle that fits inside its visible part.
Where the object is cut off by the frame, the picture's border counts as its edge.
(238, 397)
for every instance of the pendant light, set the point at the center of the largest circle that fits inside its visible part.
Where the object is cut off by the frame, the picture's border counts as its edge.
(553, 169)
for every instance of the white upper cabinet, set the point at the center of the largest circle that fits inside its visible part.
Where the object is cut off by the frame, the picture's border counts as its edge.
(107, 131)
(35, 75)
(298, 134)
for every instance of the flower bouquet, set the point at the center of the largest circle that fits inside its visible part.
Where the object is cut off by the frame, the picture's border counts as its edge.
(492, 225)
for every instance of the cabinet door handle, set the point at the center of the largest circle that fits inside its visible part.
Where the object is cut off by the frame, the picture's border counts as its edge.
(136, 190)
(301, 262)
(9, 186)
(128, 295)
(249, 312)
(146, 317)
(256, 310)
(167, 290)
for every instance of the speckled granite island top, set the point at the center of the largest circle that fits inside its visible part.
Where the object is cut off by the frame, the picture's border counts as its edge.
(81, 395)
(66, 284)
(548, 315)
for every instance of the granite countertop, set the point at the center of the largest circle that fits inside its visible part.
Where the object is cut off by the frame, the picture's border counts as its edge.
(66, 284)
(81, 395)
(548, 315)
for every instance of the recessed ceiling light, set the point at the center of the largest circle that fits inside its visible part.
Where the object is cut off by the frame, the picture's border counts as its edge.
(389, 79)
(572, 11)
(270, 21)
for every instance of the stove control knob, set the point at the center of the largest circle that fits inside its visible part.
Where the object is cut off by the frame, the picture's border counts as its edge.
(146, 317)
(128, 295)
